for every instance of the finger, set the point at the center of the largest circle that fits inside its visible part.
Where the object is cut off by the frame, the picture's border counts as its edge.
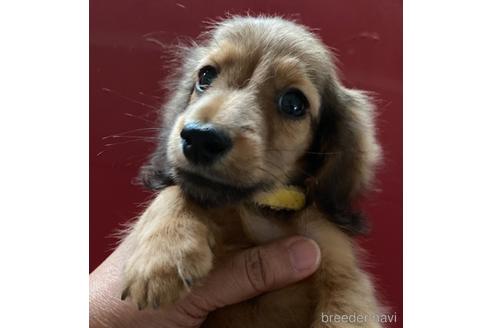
(253, 272)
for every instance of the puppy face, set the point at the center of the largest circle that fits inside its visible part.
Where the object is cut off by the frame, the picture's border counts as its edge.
(248, 122)
(256, 105)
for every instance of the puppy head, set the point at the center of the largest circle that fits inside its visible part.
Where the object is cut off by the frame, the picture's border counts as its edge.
(256, 105)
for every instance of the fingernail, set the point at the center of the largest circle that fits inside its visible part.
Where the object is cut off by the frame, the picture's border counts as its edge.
(304, 254)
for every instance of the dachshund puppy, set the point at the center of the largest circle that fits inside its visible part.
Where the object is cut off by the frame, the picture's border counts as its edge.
(260, 141)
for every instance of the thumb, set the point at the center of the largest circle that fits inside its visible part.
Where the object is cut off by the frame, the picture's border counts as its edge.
(253, 272)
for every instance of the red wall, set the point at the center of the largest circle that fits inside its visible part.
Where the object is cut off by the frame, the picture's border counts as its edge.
(125, 71)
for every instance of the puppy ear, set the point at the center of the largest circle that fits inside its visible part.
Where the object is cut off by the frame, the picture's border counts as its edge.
(154, 175)
(344, 155)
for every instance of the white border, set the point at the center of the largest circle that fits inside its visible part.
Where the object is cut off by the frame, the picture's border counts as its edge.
(447, 163)
(44, 163)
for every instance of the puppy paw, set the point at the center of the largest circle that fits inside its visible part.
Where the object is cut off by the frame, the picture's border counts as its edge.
(155, 279)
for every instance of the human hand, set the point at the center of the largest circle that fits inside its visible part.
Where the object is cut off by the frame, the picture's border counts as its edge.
(246, 275)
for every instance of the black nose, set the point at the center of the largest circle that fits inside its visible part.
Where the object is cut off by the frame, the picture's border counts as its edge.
(203, 143)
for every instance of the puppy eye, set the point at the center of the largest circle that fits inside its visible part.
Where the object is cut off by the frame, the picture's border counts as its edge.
(206, 75)
(293, 103)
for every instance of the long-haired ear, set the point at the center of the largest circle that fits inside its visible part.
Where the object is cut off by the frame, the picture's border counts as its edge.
(345, 153)
(154, 174)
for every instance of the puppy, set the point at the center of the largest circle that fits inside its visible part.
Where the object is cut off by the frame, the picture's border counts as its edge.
(260, 141)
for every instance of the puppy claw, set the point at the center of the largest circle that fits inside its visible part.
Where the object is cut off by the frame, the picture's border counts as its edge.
(125, 293)
(142, 305)
(156, 303)
(188, 282)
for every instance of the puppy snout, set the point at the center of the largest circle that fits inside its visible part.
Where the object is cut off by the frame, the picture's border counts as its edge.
(204, 143)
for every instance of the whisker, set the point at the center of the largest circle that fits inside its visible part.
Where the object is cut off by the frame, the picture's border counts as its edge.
(130, 137)
(139, 118)
(156, 41)
(147, 95)
(130, 99)
(132, 131)
(124, 142)
(136, 159)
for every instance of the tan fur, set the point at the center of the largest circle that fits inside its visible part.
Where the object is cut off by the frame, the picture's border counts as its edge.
(176, 240)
